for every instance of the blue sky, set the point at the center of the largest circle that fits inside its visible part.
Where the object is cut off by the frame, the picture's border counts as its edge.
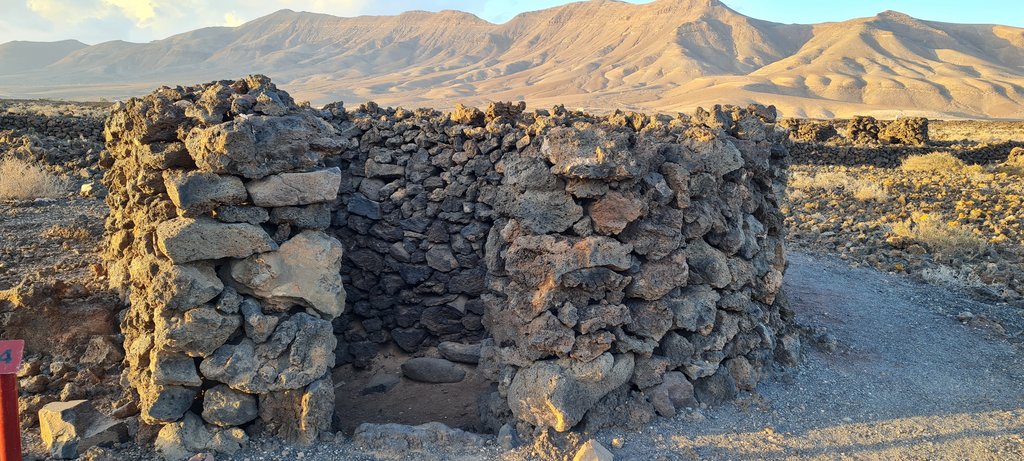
(94, 21)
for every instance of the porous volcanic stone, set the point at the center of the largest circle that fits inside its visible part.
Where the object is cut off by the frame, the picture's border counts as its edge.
(185, 240)
(304, 271)
(292, 189)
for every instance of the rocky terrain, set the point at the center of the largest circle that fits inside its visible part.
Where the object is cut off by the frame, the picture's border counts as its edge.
(664, 55)
(50, 258)
(946, 211)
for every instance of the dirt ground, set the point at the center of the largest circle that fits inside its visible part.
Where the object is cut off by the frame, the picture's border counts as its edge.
(408, 402)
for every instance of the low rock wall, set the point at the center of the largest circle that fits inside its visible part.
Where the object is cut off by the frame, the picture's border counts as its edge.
(601, 261)
(63, 126)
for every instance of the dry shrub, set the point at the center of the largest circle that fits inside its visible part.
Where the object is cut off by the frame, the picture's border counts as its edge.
(59, 232)
(1014, 164)
(943, 238)
(867, 191)
(836, 181)
(935, 162)
(22, 180)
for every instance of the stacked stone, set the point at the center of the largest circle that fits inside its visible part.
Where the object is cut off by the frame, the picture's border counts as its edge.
(634, 266)
(905, 130)
(612, 262)
(801, 130)
(415, 222)
(909, 131)
(219, 199)
(61, 126)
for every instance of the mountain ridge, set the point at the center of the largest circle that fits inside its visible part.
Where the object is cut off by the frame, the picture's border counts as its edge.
(667, 55)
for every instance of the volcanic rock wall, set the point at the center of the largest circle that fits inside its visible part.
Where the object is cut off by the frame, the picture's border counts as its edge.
(64, 126)
(634, 264)
(219, 199)
(602, 261)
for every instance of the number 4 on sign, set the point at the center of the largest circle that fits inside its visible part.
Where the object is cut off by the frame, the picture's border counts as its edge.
(10, 356)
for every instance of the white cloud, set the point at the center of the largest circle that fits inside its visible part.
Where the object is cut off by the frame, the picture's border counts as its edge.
(142, 12)
(233, 20)
(66, 11)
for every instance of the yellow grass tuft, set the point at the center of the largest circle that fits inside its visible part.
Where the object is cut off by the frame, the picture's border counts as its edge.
(944, 238)
(836, 181)
(22, 180)
(935, 162)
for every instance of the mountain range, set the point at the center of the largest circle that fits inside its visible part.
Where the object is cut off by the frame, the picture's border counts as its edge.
(666, 56)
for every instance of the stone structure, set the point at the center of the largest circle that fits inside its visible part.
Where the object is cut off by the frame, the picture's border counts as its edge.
(598, 261)
(860, 130)
(218, 209)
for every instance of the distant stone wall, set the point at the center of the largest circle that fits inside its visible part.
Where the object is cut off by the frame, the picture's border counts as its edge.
(63, 126)
(601, 261)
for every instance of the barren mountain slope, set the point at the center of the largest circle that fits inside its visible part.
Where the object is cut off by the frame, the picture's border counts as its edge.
(667, 55)
(22, 55)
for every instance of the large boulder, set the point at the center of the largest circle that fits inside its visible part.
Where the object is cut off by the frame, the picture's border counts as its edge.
(196, 193)
(292, 189)
(299, 415)
(183, 286)
(305, 271)
(70, 428)
(197, 333)
(181, 439)
(257, 146)
(224, 406)
(300, 351)
(432, 370)
(185, 240)
(558, 393)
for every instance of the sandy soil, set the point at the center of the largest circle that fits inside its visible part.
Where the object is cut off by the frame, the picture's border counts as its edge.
(408, 402)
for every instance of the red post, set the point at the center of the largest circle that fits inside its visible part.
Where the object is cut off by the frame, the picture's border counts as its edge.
(10, 424)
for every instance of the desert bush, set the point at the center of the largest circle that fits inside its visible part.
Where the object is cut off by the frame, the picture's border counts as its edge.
(62, 232)
(1014, 164)
(836, 181)
(22, 180)
(935, 162)
(943, 238)
(869, 191)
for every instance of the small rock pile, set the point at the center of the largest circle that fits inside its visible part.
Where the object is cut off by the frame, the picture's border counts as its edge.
(909, 130)
(605, 263)
(803, 130)
(860, 130)
(216, 237)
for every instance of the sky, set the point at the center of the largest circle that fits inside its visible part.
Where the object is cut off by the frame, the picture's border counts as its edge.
(95, 21)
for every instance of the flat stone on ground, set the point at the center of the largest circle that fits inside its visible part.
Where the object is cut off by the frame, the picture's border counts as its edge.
(432, 370)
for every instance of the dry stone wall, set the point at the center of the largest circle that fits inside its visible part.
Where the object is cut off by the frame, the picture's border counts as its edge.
(623, 261)
(635, 266)
(219, 201)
